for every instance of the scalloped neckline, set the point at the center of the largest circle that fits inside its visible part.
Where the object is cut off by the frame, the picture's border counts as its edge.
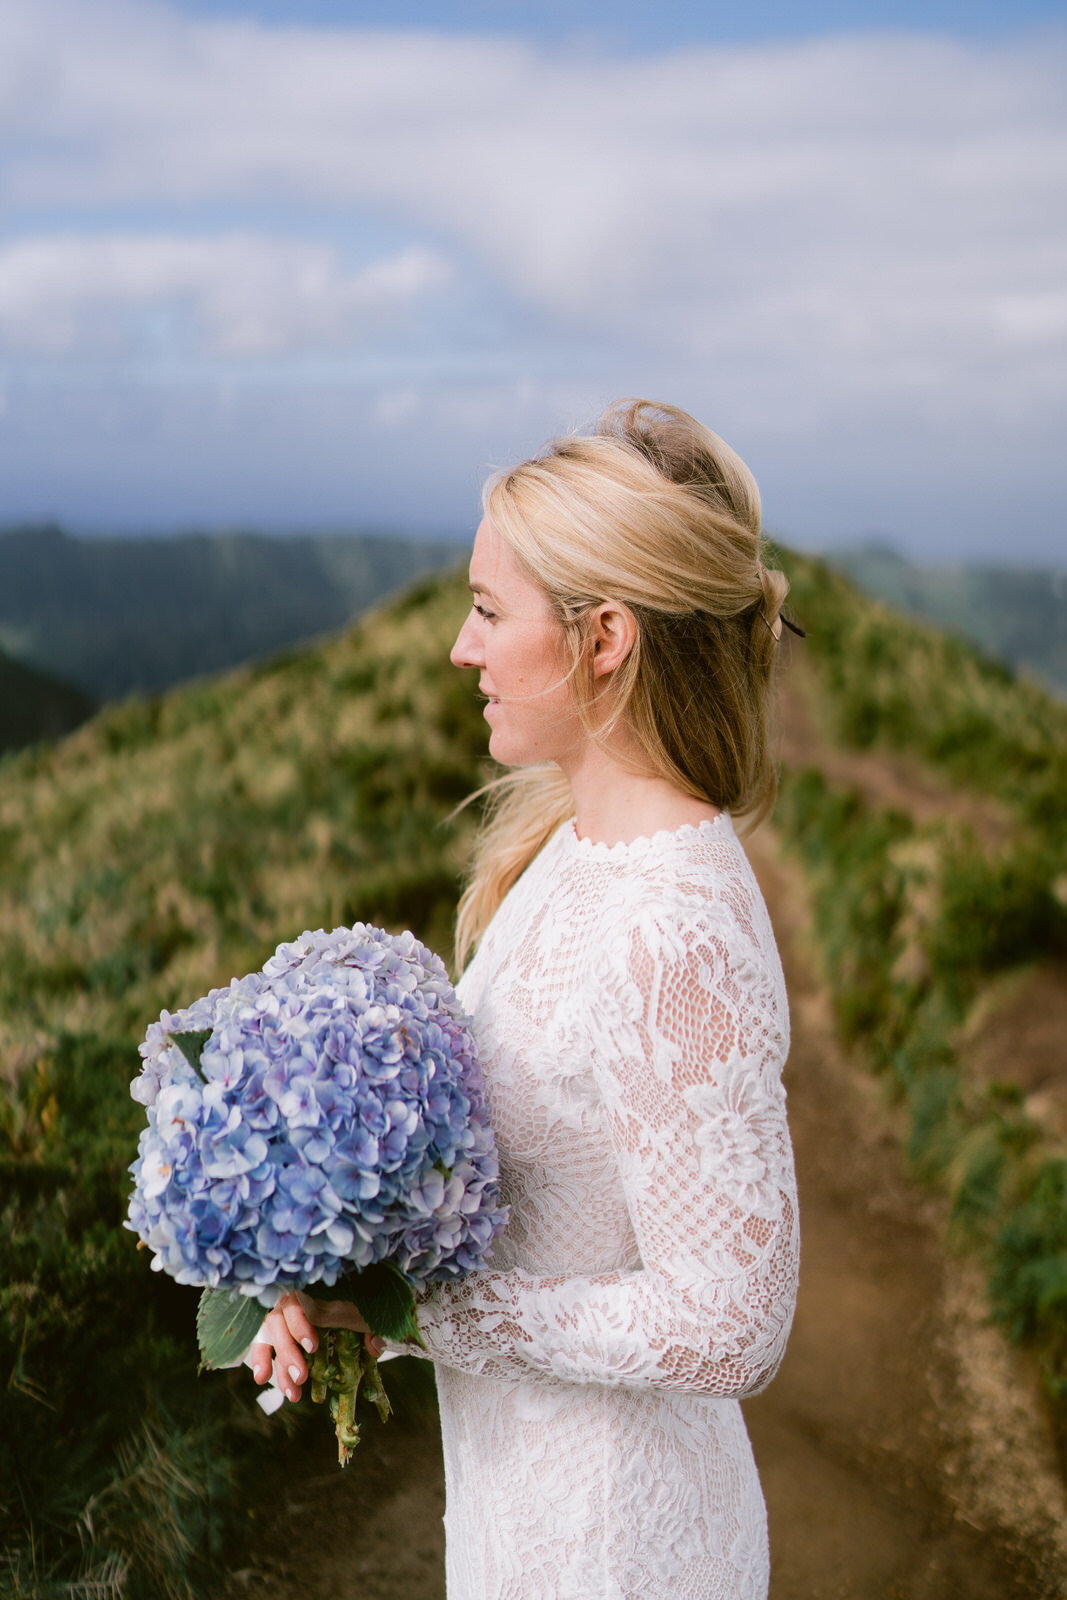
(598, 849)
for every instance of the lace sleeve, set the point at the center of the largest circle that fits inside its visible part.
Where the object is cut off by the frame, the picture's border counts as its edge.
(687, 1036)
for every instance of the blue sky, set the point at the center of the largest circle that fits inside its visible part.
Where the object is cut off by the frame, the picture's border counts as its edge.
(323, 265)
(665, 25)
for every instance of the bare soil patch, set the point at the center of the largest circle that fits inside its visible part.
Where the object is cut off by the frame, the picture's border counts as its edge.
(884, 777)
(1017, 1034)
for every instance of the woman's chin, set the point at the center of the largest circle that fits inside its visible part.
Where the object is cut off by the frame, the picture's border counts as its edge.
(508, 752)
(499, 743)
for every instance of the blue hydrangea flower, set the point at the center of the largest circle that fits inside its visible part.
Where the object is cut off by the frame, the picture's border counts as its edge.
(337, 1118)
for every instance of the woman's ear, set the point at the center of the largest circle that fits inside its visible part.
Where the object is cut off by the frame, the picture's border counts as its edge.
(613, 634)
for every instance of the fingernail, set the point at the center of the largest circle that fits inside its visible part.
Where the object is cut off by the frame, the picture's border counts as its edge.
(309, 1344)
(259, 1374)
(294, 1373)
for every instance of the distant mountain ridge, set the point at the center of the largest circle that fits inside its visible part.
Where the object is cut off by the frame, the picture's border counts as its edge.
(114, 615)
(35, 706)
(1016, 612)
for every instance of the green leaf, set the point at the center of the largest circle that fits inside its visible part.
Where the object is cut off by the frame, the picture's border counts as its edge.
(192, 1045)
(385, 1301)
(226, 1324)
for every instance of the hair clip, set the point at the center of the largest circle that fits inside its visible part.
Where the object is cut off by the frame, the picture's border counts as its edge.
(776, 626)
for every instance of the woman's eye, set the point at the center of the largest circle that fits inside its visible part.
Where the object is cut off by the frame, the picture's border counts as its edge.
(484, 612)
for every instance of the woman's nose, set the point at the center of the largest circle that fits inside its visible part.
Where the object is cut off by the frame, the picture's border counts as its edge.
(465, 651)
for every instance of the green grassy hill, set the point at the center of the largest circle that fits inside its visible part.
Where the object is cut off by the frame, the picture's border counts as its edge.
(166, 846)
(171, 842)
(941, 917)
(114, 615)
(1017, 613)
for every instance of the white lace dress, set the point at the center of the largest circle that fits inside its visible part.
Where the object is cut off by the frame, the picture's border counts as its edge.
(631, 1016)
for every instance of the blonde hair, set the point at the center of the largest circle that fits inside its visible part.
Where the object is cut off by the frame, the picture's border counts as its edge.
(655, 511)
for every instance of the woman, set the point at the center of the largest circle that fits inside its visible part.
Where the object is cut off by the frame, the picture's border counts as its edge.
(631, 1016)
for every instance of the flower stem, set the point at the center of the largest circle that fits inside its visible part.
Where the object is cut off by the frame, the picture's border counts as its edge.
(320, 1372)
(373, 1388)
(341, 1363)
(347, 1351)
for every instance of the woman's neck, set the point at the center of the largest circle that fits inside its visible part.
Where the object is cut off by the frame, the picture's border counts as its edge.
(614, 805)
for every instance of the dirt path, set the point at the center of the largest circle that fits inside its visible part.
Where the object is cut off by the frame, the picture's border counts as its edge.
(902, 1448)
(884, 777)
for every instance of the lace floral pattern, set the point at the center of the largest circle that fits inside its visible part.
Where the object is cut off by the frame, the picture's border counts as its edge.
(631, 1017)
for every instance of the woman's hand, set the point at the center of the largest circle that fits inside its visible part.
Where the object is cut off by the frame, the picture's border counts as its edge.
(290, 1337)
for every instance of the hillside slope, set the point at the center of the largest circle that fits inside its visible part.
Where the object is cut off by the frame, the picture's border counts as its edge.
(163, 848)
(170, 843)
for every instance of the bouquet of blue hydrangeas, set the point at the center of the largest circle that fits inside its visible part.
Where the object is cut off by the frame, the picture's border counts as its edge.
(320, 1122)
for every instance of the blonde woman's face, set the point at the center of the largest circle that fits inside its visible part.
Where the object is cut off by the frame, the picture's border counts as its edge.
(512, 636)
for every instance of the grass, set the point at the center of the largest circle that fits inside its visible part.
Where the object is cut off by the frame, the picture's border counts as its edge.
(174, 840)
(898, 683)
(912, 922)
(169, 845)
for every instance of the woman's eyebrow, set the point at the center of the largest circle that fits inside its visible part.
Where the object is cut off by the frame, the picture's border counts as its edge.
(479, 588)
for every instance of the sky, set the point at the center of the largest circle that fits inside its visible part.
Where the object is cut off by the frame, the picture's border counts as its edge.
(324, 265)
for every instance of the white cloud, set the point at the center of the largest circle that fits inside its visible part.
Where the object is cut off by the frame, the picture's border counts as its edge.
(244, 295)
(805, 233)
(894, 175)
